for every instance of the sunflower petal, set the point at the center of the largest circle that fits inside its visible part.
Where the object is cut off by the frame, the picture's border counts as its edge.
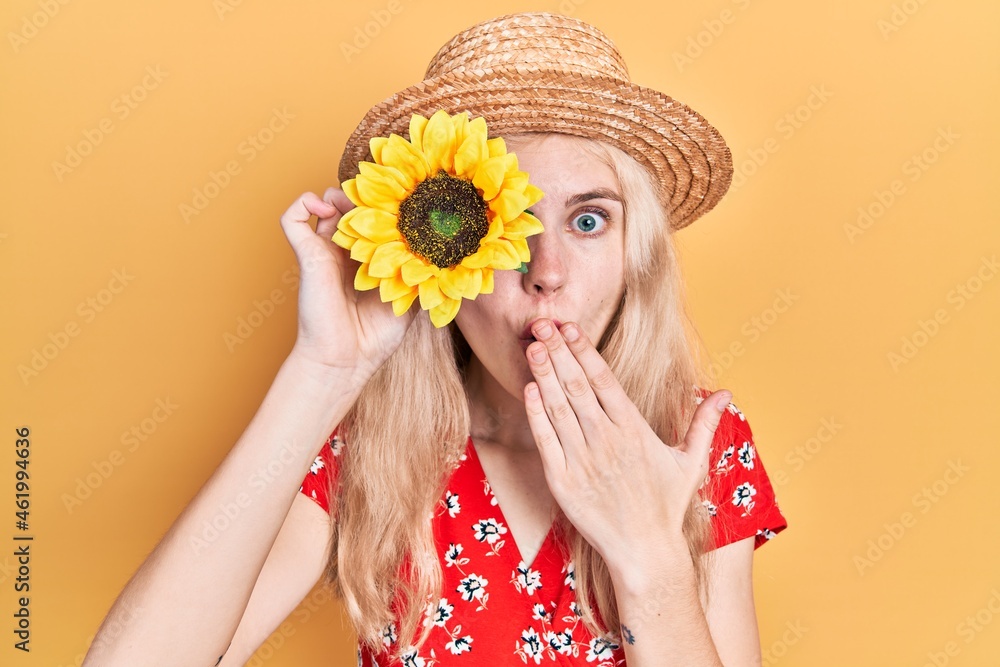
(479, 259)
(439, 142)
(375, 224)
(472, 151)
(392, 288)
(375, 145)
(444, 313)
(379, 192)
(453, 282)
(461, 123)
(489, 177)
(343, 240)
(363, 281)
(362, 250)
(417, 271)
(400, 154)
(475, 284)
(417, 125)
(504, 256)
(497, 146)
(350, 188)
(430, 295)
(509, 204)
(523, 226)
(387, 259)
(521, 246)
(403, 303)
(496, 230)
(487, 287)
(369, 170)
(533, 194)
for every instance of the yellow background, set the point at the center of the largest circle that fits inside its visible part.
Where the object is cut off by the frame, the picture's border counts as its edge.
(808, 310)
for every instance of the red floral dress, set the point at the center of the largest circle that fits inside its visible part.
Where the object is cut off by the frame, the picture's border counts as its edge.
(496, 609)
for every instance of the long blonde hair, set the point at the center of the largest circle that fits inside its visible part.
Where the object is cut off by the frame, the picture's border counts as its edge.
(394, 470)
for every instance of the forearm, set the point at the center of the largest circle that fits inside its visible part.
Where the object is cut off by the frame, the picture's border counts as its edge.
(185, 602)
(662, 620)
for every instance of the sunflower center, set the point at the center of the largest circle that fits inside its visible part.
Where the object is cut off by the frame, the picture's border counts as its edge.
(443, 220)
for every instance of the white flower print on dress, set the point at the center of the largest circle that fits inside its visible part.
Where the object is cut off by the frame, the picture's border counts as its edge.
(317, 465)
(527, 579)
(766, 533)
(743, 495)
(451, 557)
(473, 587)
(489, 531)
(451, 504)
(723, 465)
(712, 509)
(389, 635)
(488, 491)
(412, 659)
(335, 445)
(531, 646)
(600, 649)
(441, 612)
(562, 642)
(570, 579)
(459, 645)
(736, 411)
(540, 613)
(746, 455)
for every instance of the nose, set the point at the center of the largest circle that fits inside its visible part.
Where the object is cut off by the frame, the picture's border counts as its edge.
(547, 270)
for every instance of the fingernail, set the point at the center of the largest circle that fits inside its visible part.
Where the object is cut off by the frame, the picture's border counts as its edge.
(544, 330)
(538, 353)
(723, 401)
(570, 332)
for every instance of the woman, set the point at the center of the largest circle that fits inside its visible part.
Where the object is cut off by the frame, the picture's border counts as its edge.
(541, 479)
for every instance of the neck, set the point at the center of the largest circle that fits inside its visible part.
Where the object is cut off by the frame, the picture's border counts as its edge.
(496, 417)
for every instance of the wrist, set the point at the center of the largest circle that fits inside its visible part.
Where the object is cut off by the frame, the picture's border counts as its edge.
(659, 560)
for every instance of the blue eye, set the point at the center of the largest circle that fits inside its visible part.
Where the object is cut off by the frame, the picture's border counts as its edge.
(589, 221)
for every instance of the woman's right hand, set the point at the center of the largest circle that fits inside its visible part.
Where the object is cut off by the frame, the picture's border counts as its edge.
(340, 329)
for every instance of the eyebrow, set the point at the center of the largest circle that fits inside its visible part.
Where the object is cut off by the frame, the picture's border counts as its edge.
(599, 193)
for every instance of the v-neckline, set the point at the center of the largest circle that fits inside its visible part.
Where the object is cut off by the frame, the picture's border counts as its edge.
(549, 535)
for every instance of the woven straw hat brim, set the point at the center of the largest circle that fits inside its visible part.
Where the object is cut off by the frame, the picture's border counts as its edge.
(689, 160)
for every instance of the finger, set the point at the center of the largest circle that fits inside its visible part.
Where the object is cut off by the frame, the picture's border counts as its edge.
(549, 447)
(615, 403)
(571, 376)
(328, 225)
(701, 432)
(295, 221)
(556, 405)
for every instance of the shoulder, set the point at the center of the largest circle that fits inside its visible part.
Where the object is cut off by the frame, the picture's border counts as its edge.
(737, 493)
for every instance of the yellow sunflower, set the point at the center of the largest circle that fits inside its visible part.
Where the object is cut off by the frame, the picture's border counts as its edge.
(437, 214)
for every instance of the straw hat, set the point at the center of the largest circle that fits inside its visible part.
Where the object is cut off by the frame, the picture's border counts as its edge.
(542, 72)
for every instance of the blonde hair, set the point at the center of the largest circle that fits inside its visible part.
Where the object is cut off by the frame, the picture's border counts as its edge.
(394, 471)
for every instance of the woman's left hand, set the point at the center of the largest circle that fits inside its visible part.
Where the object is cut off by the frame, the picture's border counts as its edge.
(613, 477)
